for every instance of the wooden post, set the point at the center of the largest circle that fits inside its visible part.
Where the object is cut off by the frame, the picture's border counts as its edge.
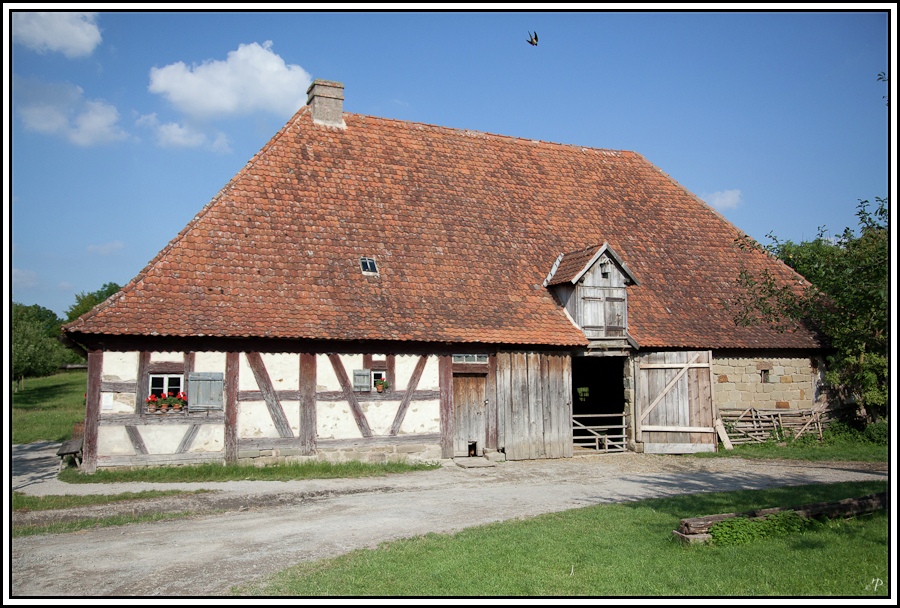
(723, 435)
(308, 421)
(232, 367)
(491, 396)
(92, 411)
(142, 386)
(445, 375)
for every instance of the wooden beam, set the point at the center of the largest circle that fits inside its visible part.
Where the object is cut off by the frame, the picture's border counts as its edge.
(188, 439)
(407, 397)
(491, 396)
(142, 387)
(232, 371)
(137, 442)
(349, 395)
(120, 387)
(445, 375)
(166, 367)
(723, 434)
(674, 365)
(391, 371)
(258, 367)
(679, 429)
(92, 411)
(848, 506)
(308, 420)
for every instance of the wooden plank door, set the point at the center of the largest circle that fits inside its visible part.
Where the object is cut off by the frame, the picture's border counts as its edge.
(470, 412)
(674, 409)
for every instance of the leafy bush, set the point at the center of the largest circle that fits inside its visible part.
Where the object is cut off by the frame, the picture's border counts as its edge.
(877, 433)
(742, 530)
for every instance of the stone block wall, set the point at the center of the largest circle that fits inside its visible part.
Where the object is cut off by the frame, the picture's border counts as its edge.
(767, 380)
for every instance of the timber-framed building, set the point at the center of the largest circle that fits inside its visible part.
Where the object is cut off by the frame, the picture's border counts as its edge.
(519, 298)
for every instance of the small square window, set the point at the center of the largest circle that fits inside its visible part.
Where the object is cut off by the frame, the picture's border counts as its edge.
(165, 383)
(764, 376)
(368, 265)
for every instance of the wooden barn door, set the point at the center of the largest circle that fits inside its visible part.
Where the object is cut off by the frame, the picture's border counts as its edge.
(534, 405)
(470, 413)
(673, 406)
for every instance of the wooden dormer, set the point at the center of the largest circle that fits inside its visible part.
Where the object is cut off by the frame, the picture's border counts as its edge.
(591, 285)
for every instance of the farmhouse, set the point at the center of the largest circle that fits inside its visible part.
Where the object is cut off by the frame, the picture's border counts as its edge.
(519, 298)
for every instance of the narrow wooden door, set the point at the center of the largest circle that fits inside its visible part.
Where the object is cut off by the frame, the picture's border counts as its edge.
(470, 412)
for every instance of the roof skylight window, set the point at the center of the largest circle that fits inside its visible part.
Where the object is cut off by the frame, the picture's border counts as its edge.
(368, 265)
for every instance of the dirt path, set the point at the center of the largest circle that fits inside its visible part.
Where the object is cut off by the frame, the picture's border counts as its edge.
(247, 530)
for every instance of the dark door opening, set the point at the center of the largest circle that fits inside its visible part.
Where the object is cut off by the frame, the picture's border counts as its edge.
(598, 403)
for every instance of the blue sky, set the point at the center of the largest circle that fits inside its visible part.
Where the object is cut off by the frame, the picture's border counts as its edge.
(125, 124)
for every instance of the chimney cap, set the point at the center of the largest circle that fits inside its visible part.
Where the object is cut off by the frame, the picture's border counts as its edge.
(325, 99)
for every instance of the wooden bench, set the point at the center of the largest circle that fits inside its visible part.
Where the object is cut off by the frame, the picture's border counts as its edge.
(72, 447)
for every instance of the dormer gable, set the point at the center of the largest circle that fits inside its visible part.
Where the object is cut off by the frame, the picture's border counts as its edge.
(591, 284)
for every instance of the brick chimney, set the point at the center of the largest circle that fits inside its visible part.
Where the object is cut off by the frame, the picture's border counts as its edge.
(325, 99)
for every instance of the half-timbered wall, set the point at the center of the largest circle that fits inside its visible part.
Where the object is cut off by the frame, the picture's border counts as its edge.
(284, 405)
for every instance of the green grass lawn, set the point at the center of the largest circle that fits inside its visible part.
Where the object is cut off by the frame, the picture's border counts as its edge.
(312, 469)
(47, 408)
(857, 451)
(625, 549)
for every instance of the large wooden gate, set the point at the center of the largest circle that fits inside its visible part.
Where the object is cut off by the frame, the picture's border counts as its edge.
(674, 411)
(534, 405)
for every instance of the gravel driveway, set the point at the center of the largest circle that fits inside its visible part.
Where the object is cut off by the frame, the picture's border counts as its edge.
(247, 530)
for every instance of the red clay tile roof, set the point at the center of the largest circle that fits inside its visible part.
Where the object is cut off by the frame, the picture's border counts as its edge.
(573, 264)
(464, 227)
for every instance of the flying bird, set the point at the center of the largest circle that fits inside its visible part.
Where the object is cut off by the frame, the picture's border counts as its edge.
(532, 39)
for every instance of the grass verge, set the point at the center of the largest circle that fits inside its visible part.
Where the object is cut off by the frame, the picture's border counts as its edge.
(47, 408)
(624, 549)
(25, 502)
(84, 524)
(219, 472)
(816, 452)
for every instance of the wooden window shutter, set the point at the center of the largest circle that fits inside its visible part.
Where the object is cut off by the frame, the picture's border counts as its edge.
(362, 380)
(205, 391)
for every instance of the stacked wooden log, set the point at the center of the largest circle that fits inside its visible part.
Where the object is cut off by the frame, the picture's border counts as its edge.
(696, 529)
(753, 425)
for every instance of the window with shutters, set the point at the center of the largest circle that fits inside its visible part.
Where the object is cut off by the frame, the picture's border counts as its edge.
(362, 380)
(205, 391)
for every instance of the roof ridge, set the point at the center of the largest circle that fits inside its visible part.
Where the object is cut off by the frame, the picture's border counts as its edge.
(501, 136)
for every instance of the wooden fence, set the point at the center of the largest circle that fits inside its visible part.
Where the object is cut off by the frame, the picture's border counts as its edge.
(603, 437)
(754, 425)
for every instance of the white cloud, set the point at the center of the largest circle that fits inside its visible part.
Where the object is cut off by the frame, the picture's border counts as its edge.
(72, 34)
(60, 109)
(24, 279)
(724, 199)
(106, 248)
(174, 135)
(251, 79)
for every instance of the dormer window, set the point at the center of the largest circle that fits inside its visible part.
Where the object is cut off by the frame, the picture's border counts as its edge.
(368, 266)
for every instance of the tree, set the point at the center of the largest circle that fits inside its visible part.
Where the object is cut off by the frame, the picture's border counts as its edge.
(35, 350)
(847, 303)
(86, 301)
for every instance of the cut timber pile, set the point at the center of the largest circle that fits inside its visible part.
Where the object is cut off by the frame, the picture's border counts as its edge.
(696, 529)
(754, 425)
